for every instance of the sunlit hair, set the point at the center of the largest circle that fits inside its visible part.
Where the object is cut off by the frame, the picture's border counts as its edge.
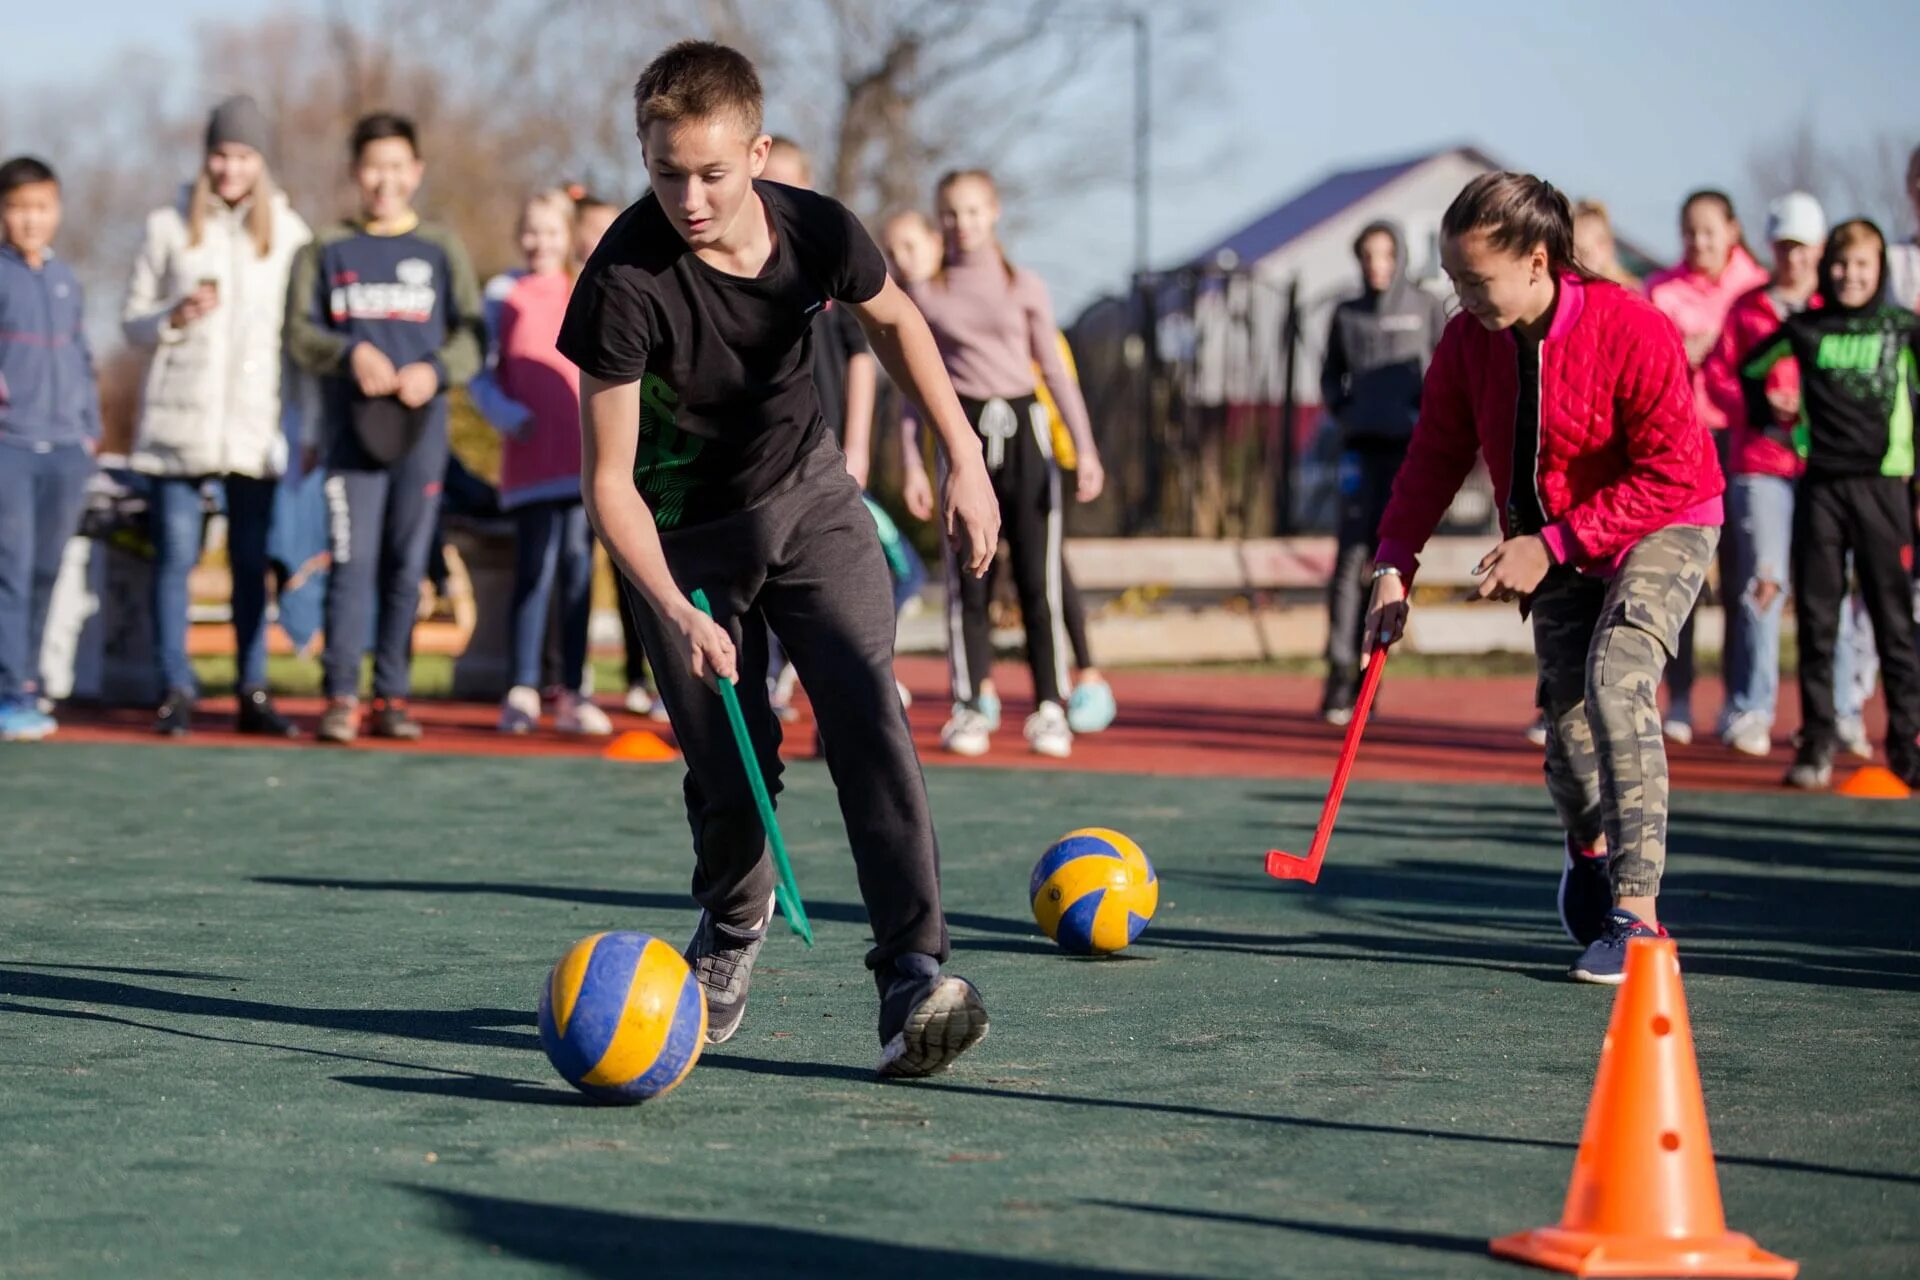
(783, 145)
(201, 199)
(1851, 234)
(698, 80)
(950, 179)
(559, 202)
(1708, 195)
(1517, 211)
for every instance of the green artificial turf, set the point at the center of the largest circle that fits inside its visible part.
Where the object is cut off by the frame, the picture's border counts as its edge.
(271, 1014)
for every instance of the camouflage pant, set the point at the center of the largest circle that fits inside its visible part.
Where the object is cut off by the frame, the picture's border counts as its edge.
(1603, 646)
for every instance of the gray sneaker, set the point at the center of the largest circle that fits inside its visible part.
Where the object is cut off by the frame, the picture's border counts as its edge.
(927, 1018)
(722, 959)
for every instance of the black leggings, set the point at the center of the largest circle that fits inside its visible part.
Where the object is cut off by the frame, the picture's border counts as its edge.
(1019, 449)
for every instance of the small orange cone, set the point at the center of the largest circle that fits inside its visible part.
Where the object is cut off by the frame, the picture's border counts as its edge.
(1644, 1199)
(1875, 782)
(639, 745)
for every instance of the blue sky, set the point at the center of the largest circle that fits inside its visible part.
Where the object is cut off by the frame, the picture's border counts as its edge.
(1633, 101)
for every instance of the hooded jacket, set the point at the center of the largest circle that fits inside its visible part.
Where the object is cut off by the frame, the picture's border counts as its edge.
(212, 398)
(1621, 453)
(1756, 449)
(1859, 371)
(1378, 348)
(1698, 303)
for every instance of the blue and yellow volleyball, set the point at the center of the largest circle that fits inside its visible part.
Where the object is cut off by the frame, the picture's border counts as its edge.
(1093, 892)
(622, 1017)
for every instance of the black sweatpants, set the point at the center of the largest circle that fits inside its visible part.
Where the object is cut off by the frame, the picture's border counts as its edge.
(382, 520)
(1073, 616)
(1018, 441)
(805, 563)
(1871, 516)
(1366, 482)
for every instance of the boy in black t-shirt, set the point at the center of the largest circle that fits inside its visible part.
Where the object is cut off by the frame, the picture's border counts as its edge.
(707, 464)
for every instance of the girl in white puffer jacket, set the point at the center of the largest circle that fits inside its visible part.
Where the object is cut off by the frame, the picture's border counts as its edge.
(207, 297)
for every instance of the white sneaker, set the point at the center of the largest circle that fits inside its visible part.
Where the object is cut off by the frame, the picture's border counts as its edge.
(1537, 731)
(906, 695)
(639, 701)
(1749, 733)
(966, 734)
(1047, 732)
(520, 712)
(575, 714)
(1677, 731)
(780, 691)
(1853, 738)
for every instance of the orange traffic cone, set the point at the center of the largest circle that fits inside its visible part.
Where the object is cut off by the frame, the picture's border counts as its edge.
(1875, 782)
(1644, 1199)
(639, 745)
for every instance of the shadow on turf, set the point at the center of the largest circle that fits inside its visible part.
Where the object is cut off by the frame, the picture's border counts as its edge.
(466, 1084)
(1369, 1235)
(449, 1026)
(721, 1060)
(1777, 926)
(599, 1242)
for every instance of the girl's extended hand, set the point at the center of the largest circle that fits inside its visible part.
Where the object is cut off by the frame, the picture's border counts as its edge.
(1513, 569)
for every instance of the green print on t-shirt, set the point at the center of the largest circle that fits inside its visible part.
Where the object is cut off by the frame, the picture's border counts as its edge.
(665, 452)
(1857, 351)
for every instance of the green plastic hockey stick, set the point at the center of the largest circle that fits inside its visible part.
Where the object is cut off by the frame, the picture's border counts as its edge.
(785, 891)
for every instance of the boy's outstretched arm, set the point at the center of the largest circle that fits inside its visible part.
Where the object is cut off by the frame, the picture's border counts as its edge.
(905, 346)
(609, 437)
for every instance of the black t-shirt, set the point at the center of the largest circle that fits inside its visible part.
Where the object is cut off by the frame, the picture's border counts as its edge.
(725, 364)
(837, 338)
(1524, 513)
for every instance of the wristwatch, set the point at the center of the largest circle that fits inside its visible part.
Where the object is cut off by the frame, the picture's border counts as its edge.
(1384, 570)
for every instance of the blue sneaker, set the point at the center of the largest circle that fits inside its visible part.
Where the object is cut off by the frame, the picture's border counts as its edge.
(988, 705)
(1605, 962)
(21, 720)
(1586, 894)
(1091, 707)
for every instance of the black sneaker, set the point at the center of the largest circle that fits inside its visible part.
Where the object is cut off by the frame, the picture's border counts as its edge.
(1604, 962)
(390, 720)
(927, 1018)
(175, 717)
(258, 716)
(1586, 894)
(1343, 691)
(722, 956)
(1812, 767)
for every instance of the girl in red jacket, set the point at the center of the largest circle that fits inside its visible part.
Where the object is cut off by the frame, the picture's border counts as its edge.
(1579, 395)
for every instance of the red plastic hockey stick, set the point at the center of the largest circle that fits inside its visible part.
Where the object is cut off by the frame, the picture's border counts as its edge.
(1291, 866)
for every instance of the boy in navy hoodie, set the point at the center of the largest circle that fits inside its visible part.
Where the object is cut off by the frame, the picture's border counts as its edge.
(385, 309)
(49, 424)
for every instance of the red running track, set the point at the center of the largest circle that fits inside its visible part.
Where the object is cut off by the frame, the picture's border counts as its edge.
(1195, 723)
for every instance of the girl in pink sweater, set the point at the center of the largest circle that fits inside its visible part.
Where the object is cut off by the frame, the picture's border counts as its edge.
(994, 323)
(540, 473)
(1696, 294)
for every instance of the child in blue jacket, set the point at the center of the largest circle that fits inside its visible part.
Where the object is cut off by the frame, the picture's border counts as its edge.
(49, 425)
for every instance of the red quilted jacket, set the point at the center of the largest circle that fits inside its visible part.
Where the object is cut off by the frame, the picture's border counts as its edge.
(1622, 452)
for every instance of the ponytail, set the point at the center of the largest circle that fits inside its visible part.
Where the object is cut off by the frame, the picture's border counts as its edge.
(1517, 211)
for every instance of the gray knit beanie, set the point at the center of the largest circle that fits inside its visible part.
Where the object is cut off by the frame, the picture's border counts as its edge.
(238, 119)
